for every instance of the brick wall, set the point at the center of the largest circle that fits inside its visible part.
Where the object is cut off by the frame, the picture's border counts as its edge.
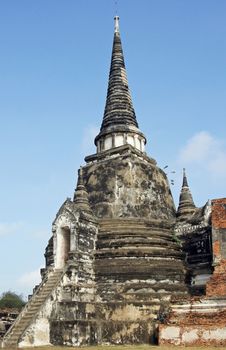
(217, 283)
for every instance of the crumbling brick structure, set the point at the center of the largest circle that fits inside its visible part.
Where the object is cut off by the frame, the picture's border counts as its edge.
(216, 286)
(202, 321)
(7, 318)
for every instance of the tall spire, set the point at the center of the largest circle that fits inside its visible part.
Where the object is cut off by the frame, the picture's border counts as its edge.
(186, 204)
(185, 181)
(81, 195)
(119, 115)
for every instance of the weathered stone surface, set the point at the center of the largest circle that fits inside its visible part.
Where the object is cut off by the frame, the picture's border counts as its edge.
(195, 234)
(127, 184)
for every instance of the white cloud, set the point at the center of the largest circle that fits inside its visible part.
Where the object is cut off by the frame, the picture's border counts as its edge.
(217, 165)
(7, 228)
(205, 151)
(30, 279)
(88, 139)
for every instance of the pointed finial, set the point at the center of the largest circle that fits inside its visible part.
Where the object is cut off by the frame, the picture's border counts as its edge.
(81, 196)
(185, 181)
(186, 206)
(80, 176)
(116, 18)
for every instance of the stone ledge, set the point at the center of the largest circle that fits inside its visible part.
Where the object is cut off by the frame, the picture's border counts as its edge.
(119, 151)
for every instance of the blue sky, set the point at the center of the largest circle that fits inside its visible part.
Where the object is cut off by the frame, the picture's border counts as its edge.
(54, 64)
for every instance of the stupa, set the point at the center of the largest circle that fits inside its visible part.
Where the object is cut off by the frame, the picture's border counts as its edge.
(113, 261)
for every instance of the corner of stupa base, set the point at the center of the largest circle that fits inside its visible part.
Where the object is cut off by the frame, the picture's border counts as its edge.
(118, 323)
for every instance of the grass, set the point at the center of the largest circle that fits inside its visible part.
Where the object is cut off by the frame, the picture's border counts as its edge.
(100, 347)
(126, 347)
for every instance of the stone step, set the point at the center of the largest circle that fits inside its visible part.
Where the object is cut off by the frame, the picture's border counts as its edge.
(30, 312)
(34, 309)
(13, 340)
(49, 288)
(163, 264)
(42, 296)
(144, 237)
(130, 243)
(127, 252)
(21, 327)
(133, 227)
(12, 345)
(21, 324)
(133, 232)
(39, 298)
(25, 318)
(134, 222)
(33, 306)
(17, 334)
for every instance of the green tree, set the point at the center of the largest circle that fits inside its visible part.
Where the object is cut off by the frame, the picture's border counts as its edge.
(11, 300)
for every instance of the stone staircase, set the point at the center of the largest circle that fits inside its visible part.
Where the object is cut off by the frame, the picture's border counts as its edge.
(13, 335)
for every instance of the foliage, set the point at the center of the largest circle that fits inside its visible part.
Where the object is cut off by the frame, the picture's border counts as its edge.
(11, 300)
(176, 239)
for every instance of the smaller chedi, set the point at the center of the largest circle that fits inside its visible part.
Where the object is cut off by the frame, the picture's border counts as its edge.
(120, 254)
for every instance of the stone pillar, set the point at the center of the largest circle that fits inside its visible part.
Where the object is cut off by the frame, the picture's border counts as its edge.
(98, 147)
(124, 139)
(137, 142)
(54, 243)
(73, 243)
(113, 140)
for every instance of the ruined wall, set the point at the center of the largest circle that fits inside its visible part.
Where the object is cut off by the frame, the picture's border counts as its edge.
(73, 310)
(203, 321)
(197, 246)
(195, 322)
(196, 237)
(7, 317)
(193, 335)
(217, 283)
